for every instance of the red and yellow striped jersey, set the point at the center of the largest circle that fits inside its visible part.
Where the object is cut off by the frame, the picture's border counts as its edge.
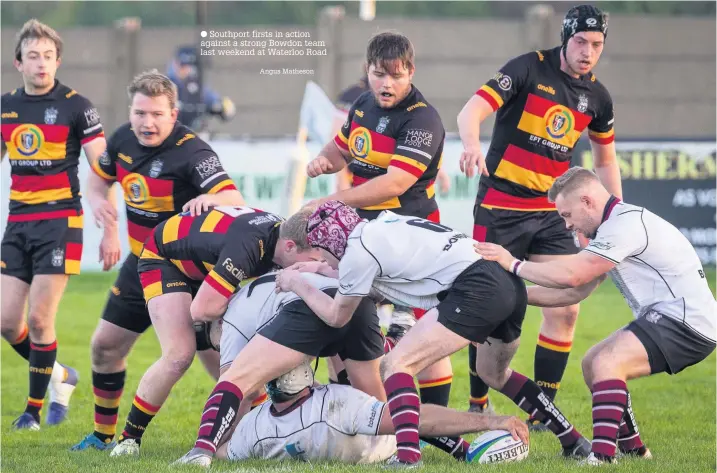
(541, 114)
(409, 136)
(221, 246)
(44, 135)
(157, 182)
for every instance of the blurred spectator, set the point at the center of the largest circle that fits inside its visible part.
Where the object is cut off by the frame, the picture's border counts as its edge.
(197, 103)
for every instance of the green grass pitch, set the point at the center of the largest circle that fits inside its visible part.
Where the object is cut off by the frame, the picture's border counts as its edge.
(676, 414)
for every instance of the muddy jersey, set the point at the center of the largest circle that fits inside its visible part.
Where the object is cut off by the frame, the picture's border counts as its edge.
(409, 136)
(541, 113)
(158, 181)
(44, 135)
(221, 247)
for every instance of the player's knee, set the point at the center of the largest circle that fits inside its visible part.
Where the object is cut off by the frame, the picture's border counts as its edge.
(40, 323)
(104, 350)
(11, 332)
(178, 362)
(587, 368)
(562, 319)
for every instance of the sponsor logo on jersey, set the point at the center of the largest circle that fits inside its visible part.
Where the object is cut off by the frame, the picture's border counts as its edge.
(235, 271)
(125, 158)
(504, 81)
(359, 113)
(546, 88)
(382, 123)
(92, 117)
(58, 257)
(9, 115)
(186, 137)
(559, 121)
(70, 94)
(176, 284)
(268, 218)
(360, 142)
(602, 245)
(261, 249)
(105, 158)
(416, 105)
(116, 291)
(418, 138)
(208, 166)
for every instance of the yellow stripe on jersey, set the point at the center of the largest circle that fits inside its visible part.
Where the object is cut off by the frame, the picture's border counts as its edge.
(210, 222)
(223, 282)
(220, 186)
(41, 197)
(489, 90)
(171, 229)
(49, 151)
(76, 221)
(530, 179)
(98, 170)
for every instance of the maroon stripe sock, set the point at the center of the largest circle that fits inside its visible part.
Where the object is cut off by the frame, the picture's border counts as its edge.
(405, 408)
(609, 402)
(219, 413)
(529, 397)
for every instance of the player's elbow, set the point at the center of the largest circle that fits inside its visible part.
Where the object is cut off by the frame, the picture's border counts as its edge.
(573, 279)
(203, 310)
(232, 197)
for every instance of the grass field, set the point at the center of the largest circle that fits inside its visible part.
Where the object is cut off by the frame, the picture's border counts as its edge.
(676, 414)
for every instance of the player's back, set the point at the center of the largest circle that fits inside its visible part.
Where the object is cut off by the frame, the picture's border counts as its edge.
(665, 274)
(417, 258)
(334, 423)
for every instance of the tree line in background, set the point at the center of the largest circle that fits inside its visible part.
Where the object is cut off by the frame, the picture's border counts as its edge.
(164, 14)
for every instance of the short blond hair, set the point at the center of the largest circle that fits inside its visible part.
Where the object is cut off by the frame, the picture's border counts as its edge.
(573, 179)
(294, 228)
(154, 84)
(34, 30)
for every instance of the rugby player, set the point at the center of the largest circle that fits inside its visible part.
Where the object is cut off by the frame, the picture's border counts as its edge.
(544, 100)
(661, 278)
(163, 168)
(45, 125)
(261, 322)
(304, 422)
(393, 143)
(189, 268)
(470, 300)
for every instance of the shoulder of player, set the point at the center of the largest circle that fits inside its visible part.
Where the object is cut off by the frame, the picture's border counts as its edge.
(598, 87)
(73, 97)
(623, 215)
(9, 97)
(362, 99)
(423, 113)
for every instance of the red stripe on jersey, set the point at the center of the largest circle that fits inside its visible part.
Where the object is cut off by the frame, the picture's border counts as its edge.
(73, 251)
(602, 141)
(223, 224)
(84, 141)
(358, 180)
(156, 187)
(40, 183)
(379, 142)
(52, 133)
(539, 106)
(486, 96)
(193, 270)
(150, 277)
(407, 167)
(44, 215)
(185, 223)
(500, 199)
(340, 143)
(535, 162)
(138, 232)
(217, 286)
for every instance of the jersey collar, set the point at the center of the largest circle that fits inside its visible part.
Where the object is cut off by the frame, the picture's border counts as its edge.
(292, 407)
(609, 206)
(49, 94)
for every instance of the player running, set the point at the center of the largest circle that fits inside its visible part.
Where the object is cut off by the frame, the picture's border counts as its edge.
(163, 168)
(661, 278)
(359, 432)
(544, 101)
(470, 300)
(393, 143)
(45, 125)
(189, 268)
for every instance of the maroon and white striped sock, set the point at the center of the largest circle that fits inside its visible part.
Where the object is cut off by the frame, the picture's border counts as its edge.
(609, 403)
(219, 413)
(405, 408)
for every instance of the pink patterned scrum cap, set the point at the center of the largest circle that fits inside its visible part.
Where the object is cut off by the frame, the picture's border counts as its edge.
(330, 225)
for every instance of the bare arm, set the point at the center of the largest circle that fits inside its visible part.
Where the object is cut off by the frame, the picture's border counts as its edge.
(606, 167)
(470, 117)
(335, 312)
(336, 156)
(548, 297)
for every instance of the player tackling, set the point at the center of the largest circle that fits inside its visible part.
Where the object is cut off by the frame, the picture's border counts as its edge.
(661, 278)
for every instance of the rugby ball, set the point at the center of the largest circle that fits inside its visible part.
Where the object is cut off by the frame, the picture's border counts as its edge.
(496, 446)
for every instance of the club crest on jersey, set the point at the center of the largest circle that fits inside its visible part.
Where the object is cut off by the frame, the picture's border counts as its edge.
(27, 139)
(50, 116)
(156, 168)
(360, 142)
(58, 257)
(559, 121)
(382, 123)
(135, 188)
(582, 103)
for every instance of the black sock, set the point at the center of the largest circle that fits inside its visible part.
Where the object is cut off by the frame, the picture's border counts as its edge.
(479, 390)
(551, 359)
(42, 359)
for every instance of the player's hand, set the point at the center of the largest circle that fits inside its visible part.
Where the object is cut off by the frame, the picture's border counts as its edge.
(473, 162)
(109, 249)
(318, 166)
(517, 428)
(200, 204)
(493, 252)
(286, 280)
(105, 214)
(318, 267)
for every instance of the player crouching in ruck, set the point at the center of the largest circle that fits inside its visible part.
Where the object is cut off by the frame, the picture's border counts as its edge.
(360, 431)
(660, 275)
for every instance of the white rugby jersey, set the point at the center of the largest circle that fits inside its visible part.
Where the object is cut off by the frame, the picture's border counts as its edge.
(408, 260)
(255, 306)
(657, 269)
(335, 423)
